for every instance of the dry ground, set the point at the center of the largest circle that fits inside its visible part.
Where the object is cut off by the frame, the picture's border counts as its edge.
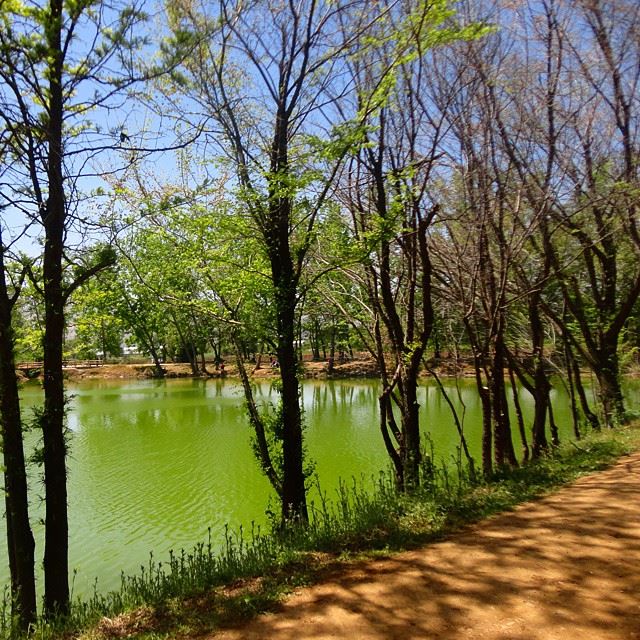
(564, 567)
(352, 369)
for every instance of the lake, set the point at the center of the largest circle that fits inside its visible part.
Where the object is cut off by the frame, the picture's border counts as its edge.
(154, 464)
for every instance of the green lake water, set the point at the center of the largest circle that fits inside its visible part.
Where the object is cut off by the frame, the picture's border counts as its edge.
(154, 464)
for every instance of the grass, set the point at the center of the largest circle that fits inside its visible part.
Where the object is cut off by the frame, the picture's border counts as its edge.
(196, 591)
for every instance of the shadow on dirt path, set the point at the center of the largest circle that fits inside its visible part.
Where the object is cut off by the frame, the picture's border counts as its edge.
(564, 567)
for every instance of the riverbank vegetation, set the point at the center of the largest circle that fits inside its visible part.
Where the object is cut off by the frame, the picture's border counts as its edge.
(425, 182)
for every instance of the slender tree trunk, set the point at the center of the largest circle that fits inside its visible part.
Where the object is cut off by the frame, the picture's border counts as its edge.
(315, 340)
(541, 386)
(591, 417)
(298, 341)
(387, 427)
(294, 504)
(487, 435)
(541, 405)
(203, 363)
(157, 365)
(504, 452)
(261, 442)
(103, 338)
(285, 282)
(56, 580)
(411, 431)
(53, 428)
(259, 358)
(519, 417)
(608, 375)
(215, 346)
(391, 436)
(555, 435)
(458, 423)
(572, 393)
(332, 349)
(20, 543)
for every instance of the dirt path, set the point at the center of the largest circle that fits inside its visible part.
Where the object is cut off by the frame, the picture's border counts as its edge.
(565, 567)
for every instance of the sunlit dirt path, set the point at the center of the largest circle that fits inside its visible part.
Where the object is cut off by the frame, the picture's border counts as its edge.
(565, 567)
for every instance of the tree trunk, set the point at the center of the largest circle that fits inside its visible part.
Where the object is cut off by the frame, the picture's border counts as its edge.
(388, 427)
(410, 430)
(294, 503)
(285, 281)
(541, 390)
(157, 365)
(332, 349)
(555, 435)
(261, 443)
(463, 441)
(203, 363)
(20, 543)
(608, 375)
(572, 392)
(504, 453)
(315, 340)
(519, 417)
(541, 386)
(53, 430)
(591, 417)
(56, 550)
(487, 435)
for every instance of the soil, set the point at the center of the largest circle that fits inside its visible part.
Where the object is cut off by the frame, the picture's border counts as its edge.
(116, 371)
(359, 367)
(564, 567)
(351, 369)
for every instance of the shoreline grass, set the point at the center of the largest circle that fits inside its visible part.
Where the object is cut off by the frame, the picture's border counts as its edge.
(197, 591)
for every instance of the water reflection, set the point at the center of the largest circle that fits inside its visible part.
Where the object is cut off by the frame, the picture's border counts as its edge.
(154, 463)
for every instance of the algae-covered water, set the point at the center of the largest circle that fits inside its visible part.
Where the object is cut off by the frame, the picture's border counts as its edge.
(154, 464)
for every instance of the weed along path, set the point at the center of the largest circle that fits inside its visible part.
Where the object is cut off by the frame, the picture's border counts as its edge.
(564, 567)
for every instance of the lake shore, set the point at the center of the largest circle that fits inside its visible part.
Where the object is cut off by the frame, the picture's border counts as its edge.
(354, 368)
(397, 587)
(362, 368)
(549, 583)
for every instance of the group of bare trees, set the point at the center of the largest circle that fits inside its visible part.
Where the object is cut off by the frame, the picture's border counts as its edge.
(544, 231)
(497, 189)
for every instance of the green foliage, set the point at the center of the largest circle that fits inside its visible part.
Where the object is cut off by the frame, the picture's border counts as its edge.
(34, 424)
(28, 325)
(99, 329)
(273, 422)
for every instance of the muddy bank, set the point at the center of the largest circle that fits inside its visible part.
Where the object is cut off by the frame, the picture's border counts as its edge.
(363, 368)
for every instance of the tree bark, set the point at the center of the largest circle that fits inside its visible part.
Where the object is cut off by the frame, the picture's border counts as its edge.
(504, 453)
(608, 374)
(519, 417)
(20, 543)
(285, 282)
(412, 455)
(294, 503)
(56, 581)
